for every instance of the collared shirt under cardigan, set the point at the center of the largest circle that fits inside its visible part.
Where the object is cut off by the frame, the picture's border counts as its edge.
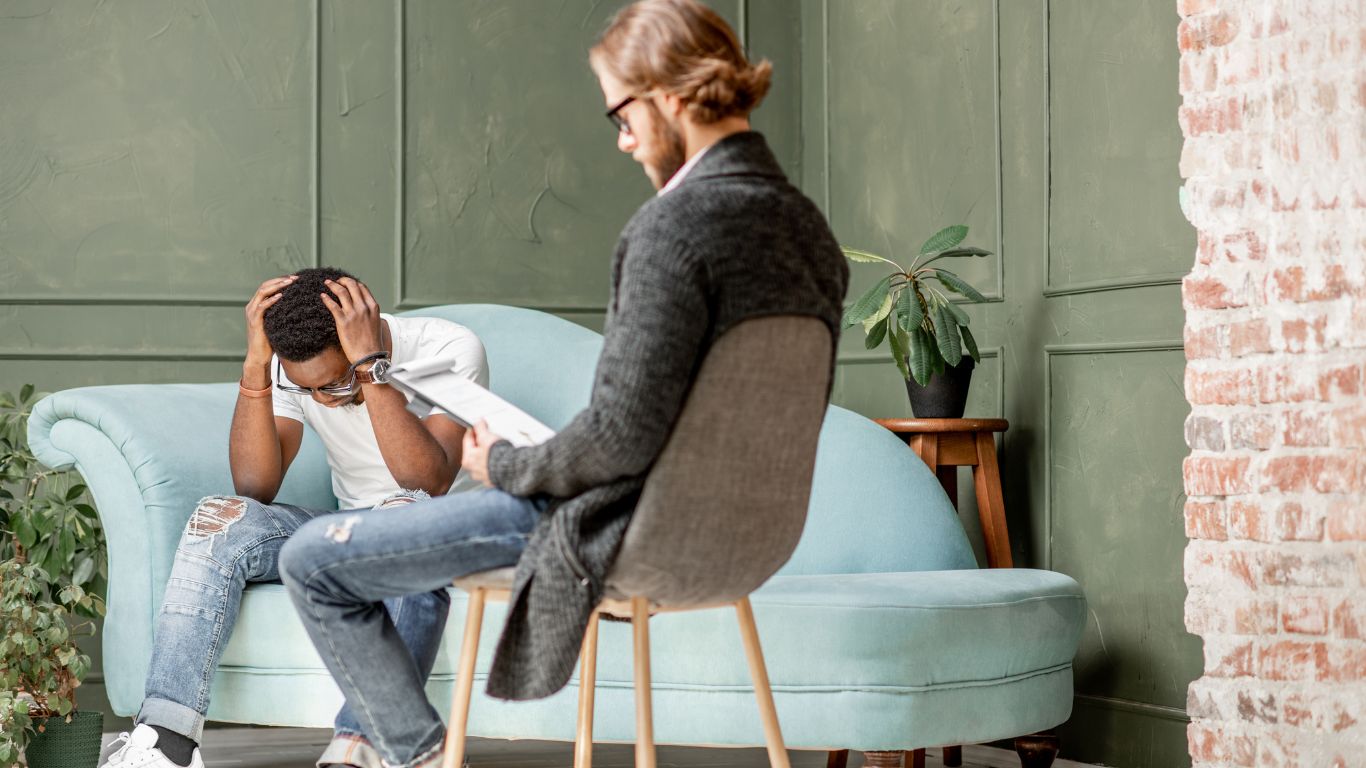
(733, 241)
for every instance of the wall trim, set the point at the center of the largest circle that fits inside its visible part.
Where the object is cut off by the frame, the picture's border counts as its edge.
(400, 153)
(1112, 284)
(315, 159)
(120, 301)
(1133, 707)
(172, 356)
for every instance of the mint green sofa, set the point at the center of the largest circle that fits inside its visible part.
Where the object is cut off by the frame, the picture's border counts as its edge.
(880, 633)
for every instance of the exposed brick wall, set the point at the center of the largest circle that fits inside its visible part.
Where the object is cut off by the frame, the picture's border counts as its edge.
(1274, 115)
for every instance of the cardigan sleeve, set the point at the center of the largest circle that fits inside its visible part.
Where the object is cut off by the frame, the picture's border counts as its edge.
(650, 353)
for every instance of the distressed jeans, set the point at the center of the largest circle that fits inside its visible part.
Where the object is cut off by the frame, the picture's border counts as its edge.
(228, 542)
(338, 583)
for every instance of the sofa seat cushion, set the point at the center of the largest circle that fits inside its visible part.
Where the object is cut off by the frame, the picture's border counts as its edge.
(846, 631)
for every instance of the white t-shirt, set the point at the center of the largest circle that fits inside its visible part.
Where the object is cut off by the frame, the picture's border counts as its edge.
(360, 478)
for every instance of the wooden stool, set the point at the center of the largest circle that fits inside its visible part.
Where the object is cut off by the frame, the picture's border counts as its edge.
(947, 444)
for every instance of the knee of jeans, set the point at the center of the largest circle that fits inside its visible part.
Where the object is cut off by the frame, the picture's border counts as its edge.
(402, 497)
(305, 549)
(213, 518)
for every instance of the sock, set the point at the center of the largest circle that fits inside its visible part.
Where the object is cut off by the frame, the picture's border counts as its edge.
(177, 748)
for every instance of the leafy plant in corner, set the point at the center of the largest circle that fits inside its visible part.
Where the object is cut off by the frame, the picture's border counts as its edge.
(53, 575)
(45, 518)
(40, 665)
(924, 328)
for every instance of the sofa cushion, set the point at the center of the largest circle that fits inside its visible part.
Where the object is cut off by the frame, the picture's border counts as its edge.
(883, 631)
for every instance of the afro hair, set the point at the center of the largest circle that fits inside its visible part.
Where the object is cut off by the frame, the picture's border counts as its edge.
(299, 326)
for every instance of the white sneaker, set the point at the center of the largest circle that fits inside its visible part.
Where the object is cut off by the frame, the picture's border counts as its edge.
(139, 750)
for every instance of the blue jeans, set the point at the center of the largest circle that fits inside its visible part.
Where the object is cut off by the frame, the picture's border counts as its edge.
(337, 583)
(228, 542)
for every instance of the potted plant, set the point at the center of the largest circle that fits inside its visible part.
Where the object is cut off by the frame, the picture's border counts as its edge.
(41, 667)
(53, 574)
(927, 331)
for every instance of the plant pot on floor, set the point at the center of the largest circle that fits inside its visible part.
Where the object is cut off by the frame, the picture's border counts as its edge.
(67, 745)
(946, 396)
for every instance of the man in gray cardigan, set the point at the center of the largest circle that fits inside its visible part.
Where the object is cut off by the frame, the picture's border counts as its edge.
(726, 239)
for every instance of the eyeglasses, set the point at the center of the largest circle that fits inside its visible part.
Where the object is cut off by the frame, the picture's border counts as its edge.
(336, 390)
(615, 118)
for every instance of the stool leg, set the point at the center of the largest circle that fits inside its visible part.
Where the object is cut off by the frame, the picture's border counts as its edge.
(464, 683)
(773, 735)
(645, 729)
(990, 506)
(588, 674)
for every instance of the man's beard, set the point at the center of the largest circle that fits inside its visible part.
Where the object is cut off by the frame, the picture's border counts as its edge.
(669, 153)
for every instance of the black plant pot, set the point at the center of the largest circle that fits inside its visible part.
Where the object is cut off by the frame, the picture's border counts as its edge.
(946, 396)
(67, 745)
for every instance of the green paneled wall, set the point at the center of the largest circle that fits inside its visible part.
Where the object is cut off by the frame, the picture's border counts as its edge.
(1050, 129)
(160, 158)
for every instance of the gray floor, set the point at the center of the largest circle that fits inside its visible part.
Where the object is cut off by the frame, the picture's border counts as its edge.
(299, 747)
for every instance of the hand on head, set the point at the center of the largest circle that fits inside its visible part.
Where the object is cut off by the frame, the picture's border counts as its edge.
(259, 350)
(357, 315)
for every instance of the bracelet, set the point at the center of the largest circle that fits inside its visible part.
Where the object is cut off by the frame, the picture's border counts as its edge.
(371, 358)
(245, 392)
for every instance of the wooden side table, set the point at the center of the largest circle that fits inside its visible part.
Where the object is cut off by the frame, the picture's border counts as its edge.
(947, 444)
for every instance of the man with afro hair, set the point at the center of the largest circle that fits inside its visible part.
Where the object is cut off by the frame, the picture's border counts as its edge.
(313, 338)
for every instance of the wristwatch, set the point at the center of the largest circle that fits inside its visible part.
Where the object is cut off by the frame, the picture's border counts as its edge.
(378, 373)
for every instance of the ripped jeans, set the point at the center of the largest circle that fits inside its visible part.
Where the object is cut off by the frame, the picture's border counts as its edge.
(338, 588)
(228, 542)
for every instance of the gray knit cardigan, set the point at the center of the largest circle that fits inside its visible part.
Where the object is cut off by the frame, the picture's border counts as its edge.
(734, 241)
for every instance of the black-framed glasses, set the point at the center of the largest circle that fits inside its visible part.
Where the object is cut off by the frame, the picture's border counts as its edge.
(336, 390)
(615, 118)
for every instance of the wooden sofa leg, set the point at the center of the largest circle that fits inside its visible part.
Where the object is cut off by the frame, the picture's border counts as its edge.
(645, 729)
(837, 758)
(953, 757)
(1036, 750)
(464, 683)
(915, 758)
(588, 678)
(882, 759)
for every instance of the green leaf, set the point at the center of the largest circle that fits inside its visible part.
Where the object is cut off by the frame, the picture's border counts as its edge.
(23, 530)
(971, 344)
(954, 252)
(881, 314)
(899, 343)
(868, 303)
(956, 284)
(74, 492)
(959, 316)
(946, 335)
(920, 363)
(945, 238)
(876, 334)
(25, 392)
(912, 315)
(85, 568)
(864, 257)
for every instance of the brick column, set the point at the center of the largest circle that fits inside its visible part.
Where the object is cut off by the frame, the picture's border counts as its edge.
(1274, 115)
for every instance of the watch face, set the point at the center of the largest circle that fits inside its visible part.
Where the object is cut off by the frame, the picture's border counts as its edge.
(379, 372)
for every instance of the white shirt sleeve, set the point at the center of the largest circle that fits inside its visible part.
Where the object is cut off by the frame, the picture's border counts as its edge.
(471, 361)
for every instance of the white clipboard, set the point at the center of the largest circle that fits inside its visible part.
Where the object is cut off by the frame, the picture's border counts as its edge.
(433, 381)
